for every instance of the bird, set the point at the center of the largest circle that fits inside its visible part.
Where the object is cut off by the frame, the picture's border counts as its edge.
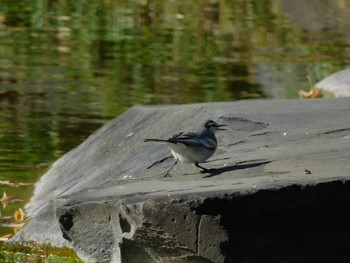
(193, 147)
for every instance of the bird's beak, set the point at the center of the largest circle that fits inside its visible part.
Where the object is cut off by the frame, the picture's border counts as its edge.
(221, 125)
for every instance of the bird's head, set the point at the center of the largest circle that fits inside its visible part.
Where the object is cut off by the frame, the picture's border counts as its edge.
(213, 126)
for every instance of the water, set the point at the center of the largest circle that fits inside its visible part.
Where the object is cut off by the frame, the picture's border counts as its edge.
(67, 67)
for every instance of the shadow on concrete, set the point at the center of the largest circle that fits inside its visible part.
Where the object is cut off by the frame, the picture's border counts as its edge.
(238, 166)
(292, 224)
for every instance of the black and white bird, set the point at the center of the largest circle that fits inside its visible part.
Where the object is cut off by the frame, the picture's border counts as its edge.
(195, 146)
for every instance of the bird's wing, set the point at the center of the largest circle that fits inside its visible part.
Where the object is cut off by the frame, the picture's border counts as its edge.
(192, 138)
(208, 143)
(184, 135)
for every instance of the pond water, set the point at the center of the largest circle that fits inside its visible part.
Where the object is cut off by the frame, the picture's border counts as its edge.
(67, 67)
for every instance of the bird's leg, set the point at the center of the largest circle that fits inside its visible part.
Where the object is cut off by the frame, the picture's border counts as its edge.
(159, 162)
(168, 171)
(203, 168)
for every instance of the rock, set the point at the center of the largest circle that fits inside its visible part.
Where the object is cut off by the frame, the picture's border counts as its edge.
(337, 83)
(107, 198)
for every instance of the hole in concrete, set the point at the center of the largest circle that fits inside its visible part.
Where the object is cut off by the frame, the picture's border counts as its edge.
(124, 224)
(185, 217)
(66, 221)
(173, 220)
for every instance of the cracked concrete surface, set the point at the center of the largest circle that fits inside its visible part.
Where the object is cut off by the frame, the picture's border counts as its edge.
(278, 184)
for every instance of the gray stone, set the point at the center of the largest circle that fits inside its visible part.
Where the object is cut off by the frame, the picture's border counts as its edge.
(278, 190)
(337, 83)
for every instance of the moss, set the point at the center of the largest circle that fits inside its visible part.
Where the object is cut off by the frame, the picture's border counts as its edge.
(30, 252)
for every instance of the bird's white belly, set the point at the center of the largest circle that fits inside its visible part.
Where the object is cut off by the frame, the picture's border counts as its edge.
(190, 154)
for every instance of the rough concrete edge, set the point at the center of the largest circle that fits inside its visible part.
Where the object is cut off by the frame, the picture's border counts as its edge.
(156, 216)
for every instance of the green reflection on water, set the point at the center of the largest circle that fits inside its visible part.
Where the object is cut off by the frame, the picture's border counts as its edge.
(66, 67)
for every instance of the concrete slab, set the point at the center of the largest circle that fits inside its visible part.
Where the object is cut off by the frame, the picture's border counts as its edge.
(279, 162)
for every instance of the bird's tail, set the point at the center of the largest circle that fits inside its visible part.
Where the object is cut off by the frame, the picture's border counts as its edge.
(155, 140)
